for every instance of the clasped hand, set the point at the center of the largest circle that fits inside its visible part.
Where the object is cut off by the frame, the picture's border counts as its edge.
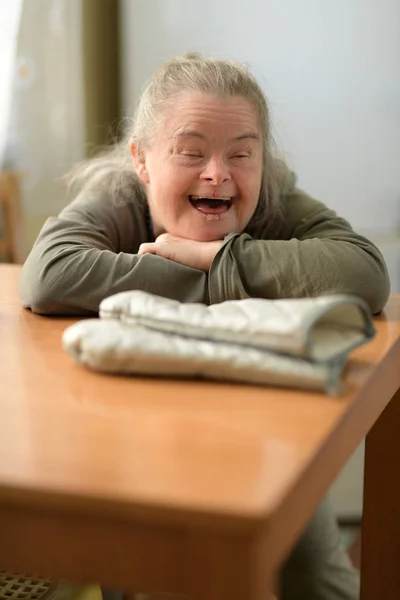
(198, 255)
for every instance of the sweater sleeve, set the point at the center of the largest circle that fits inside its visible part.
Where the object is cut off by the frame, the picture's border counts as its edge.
(89, 252)
(316, 253)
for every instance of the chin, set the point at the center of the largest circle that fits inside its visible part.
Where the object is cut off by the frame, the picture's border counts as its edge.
(208, 232)
(205, 234)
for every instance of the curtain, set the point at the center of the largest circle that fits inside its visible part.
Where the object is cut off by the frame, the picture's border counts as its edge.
(45, 134)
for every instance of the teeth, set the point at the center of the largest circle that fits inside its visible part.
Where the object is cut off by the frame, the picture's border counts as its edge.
(224, 199)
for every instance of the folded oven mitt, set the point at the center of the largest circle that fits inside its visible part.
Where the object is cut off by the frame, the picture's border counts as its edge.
(301, 343)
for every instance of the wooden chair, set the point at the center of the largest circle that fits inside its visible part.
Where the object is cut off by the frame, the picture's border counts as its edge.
(23, 587)
(11, 238)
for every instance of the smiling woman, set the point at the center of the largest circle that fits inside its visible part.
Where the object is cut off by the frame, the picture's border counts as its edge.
(192, 205)
(206, 155)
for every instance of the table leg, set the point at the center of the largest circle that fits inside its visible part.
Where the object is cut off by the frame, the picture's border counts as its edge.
(227, 568)
(380, 554)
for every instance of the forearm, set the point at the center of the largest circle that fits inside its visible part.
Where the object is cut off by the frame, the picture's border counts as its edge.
(72, 278)
(298, 268)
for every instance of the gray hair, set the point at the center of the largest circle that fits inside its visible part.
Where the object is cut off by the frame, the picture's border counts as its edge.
(113, 168)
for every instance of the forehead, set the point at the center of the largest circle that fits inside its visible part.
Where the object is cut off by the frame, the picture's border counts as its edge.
(209, 114)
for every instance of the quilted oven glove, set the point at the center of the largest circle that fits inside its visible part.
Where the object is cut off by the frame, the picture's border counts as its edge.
(300, 343)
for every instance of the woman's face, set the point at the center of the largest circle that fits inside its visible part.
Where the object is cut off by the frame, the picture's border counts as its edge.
(203, 170)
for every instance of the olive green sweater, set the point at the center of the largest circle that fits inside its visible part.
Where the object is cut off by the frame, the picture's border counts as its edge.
(90, 251)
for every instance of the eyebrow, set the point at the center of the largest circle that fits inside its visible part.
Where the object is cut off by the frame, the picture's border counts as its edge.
(188, 133)
(193, 133)
(250, 135)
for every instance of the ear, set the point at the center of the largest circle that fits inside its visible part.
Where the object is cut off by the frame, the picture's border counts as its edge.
(139, 162)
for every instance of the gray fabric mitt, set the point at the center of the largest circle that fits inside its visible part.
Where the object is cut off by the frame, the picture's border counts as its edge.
(296, 342)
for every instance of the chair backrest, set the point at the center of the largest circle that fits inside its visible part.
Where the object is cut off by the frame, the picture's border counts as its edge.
(17, 587)
(11, 239)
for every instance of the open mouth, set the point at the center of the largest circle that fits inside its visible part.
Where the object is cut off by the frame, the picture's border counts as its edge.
(212, 207)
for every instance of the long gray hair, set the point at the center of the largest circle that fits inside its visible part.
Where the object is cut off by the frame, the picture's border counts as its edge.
(113, 168)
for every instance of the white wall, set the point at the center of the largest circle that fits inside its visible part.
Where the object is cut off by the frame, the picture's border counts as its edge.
(10, 13)
(331, 71)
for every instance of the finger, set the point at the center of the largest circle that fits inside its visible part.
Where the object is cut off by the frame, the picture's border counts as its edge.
(149, 248)
(164, 237)
(167, 238)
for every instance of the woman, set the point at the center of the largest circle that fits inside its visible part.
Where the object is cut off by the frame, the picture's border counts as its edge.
(192, 205)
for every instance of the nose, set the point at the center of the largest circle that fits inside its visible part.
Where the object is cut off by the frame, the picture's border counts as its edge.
(216, 171)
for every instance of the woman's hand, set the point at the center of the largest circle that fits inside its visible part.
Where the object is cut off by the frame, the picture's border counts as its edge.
(198, 255)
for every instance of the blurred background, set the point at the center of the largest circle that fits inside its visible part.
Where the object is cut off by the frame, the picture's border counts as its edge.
(72, 69)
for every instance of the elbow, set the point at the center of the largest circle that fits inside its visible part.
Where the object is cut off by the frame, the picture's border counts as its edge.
(37, 294)
(372, 284)
(374, 291)
(362, 272)
(378, 293)
(41, 291)
(378, 283)
(39, 304)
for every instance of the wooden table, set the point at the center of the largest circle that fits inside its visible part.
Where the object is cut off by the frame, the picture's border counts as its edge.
(189, 487)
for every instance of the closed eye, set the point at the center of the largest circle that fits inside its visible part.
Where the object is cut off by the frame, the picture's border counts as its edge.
(191, 154)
